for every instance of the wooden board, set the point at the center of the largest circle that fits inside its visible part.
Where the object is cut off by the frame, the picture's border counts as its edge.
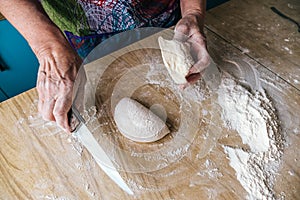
(38, 161)
(258, 32)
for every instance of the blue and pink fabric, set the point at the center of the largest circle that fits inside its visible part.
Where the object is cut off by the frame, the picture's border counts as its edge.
(88, 22)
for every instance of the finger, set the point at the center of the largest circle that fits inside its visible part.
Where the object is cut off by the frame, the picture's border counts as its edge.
(203, 60)
(198, 67)
(198, 48)
(47, 110)
(79, 88)
(39, 86)
(198, 38)
(46, 91)
(40, 105)
(193, 78)
(60, 112)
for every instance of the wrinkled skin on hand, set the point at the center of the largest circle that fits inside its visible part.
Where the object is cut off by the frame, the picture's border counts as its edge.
(59, 65)
(191, 25)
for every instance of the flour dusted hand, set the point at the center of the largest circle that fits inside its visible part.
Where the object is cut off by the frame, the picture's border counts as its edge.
(177, 59)
(138, 123)
(190, 30)
(58, 69)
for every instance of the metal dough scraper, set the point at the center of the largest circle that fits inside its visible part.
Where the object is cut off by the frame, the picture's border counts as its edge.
(90, 143)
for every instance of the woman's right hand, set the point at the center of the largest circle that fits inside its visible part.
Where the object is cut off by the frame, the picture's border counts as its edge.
(59, 65)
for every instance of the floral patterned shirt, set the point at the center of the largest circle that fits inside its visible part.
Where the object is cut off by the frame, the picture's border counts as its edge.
(86, 23)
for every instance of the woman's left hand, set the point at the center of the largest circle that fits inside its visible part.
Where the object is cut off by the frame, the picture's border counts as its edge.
(191, 25)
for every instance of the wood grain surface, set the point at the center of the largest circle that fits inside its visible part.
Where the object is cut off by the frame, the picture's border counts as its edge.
(263, 35)
(39, 161)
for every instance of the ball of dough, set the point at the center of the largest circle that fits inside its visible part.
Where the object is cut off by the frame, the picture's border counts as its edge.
(138, 123)
(177, 59)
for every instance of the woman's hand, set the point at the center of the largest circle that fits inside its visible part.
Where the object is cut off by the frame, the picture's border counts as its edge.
(59, 65)
(191, 25)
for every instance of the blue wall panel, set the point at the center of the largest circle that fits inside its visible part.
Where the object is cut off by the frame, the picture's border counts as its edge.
(20, 61)
(2, 96)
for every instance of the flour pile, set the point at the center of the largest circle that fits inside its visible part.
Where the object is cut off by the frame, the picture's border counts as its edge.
(253, 116)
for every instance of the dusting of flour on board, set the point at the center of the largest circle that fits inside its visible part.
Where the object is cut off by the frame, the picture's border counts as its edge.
(253, 116)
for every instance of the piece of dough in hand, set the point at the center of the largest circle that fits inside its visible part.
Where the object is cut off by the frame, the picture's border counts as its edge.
(138, 123)
(177, 58)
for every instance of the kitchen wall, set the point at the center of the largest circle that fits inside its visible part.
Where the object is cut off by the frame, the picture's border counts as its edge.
(18, 60)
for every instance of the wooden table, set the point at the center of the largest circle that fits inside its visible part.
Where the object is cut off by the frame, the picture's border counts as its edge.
(38, 161)
(258, 32)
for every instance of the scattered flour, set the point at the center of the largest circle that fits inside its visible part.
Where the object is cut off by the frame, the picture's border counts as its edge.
(243, 113)
(253, 116)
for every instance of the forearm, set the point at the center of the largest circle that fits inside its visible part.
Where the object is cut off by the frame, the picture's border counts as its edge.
(29, 18)
(193, 6)
(193, 13)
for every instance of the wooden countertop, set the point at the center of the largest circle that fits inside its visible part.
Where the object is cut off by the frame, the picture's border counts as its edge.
(253, 28)
(38, 161)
